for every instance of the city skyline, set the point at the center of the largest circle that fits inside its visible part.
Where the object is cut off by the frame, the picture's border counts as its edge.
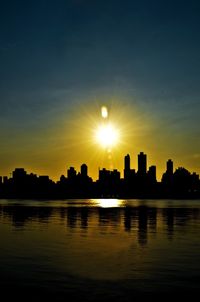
(142, 166)
(133, 165)
(135, 183)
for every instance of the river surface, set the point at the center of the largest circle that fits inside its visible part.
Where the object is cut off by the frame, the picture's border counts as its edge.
(96, 250)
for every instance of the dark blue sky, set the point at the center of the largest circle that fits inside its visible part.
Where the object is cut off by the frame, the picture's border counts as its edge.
(55, 55)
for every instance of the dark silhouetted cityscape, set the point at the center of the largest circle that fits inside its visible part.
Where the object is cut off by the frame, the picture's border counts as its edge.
(134, 184)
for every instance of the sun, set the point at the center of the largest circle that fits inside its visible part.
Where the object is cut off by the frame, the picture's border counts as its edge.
(107, 135)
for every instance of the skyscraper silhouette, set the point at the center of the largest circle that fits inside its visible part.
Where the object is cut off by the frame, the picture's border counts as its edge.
(71, 173)
(152, 174)
(170, 167)
(84, 170)
(168, 176)
(127, 164)
(142, 163)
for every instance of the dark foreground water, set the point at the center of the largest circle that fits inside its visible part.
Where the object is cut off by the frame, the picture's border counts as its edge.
(96, 250)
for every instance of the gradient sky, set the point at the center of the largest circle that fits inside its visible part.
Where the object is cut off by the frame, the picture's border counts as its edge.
(61, 60)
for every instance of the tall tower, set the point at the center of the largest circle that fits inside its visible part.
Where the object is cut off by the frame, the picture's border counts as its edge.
(170, 167)
(84, 170)
(142, 163)
(127, 162)
(127, 166)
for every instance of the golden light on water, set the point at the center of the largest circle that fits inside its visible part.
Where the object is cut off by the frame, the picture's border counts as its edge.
(107, 135)
(108, 203)
(104, 112)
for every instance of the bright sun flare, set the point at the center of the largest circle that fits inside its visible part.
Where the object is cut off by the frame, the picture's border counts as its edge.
(107, 135)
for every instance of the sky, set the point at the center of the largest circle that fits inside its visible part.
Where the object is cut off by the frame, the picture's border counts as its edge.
(61, 60)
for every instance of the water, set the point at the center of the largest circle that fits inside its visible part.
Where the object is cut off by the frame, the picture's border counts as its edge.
(92, 250)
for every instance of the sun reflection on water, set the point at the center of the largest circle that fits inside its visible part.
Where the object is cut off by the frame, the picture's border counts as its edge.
(108, 203)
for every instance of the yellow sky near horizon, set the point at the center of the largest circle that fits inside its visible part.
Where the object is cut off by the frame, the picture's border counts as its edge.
(69, 140)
